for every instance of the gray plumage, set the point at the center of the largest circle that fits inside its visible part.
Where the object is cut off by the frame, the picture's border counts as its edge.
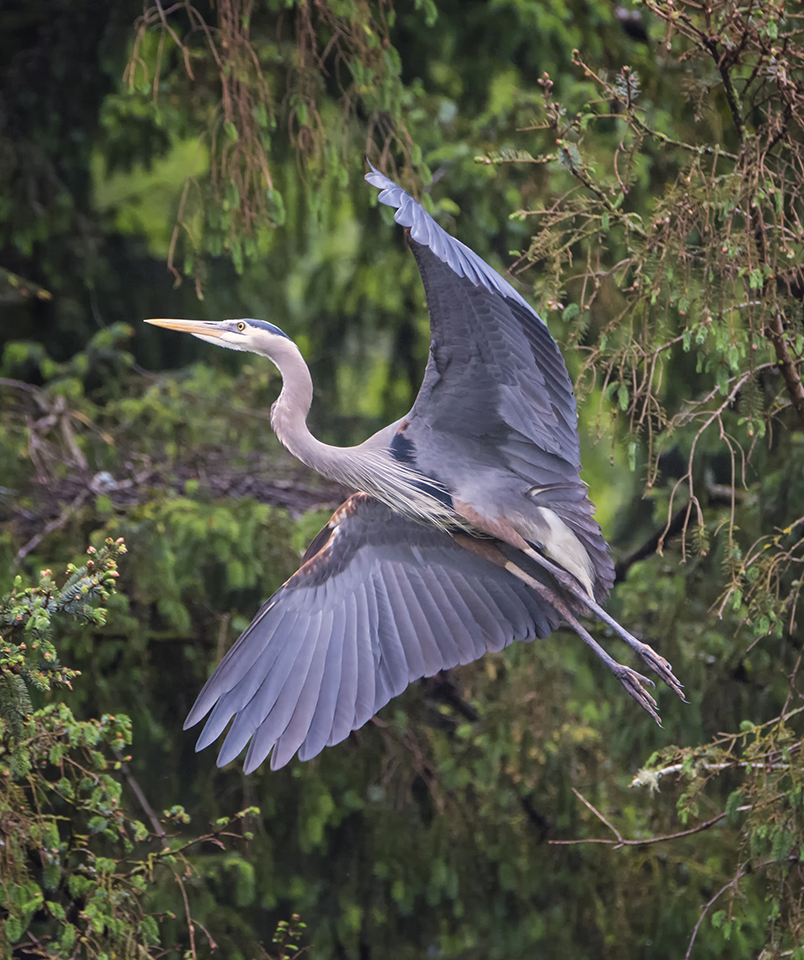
(471, 527)
(383, 601)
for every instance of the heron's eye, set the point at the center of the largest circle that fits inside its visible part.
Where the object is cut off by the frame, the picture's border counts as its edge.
(241, 326)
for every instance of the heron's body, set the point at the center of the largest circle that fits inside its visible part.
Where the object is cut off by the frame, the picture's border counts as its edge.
(465, 490)
(471, 527)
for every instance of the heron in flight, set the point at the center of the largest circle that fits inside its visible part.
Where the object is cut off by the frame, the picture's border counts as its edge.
(470, 526)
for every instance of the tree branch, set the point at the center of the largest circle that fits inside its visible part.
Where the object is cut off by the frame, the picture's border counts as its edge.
(620, 841)
(137, 790)
(723, 62)
(787, 365)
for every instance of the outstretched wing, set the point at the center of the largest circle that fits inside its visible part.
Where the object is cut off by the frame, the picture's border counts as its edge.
(496, 391)
(380, 601)
(489, 346)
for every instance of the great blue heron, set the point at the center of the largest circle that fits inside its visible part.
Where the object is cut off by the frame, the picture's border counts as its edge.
(471, 527)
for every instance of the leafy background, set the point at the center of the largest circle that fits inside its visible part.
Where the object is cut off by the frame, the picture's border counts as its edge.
(638, 169)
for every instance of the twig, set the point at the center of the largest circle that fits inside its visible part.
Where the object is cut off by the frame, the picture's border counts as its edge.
(631, 222)
(21, 385)
(185, 52)
(748, 868)
(620, 841)
(598, 814)
(190, 926)
(792, 681)
(740, 874)
(644, 778)
(136, 789)
(724, 62)
(612, 95)
(56, 524)
(650, 547)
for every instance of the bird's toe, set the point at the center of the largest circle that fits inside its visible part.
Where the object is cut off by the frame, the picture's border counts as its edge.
(637, 686)
(663, 669)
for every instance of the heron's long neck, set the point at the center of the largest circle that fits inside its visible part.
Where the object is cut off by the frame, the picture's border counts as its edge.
(367, 467)
(289, 416)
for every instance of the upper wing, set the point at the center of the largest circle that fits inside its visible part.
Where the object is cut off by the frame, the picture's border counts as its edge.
(379, 601)
(496, 393)
(494, 369)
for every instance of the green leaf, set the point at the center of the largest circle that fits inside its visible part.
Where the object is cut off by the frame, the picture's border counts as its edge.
(733, 802)
(67, 939)
(13, 928)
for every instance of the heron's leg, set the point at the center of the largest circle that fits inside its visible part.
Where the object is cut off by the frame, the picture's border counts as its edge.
(648, 654)
(633, 682)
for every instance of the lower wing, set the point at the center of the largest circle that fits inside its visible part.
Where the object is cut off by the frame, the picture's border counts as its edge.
(380, 601)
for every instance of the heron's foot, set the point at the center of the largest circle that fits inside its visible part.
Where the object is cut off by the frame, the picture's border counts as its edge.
(634, 682)
(648, 654)
(637, 686)
(658, 664)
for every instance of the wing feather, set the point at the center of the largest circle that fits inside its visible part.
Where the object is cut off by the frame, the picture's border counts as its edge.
(324, 716)
(403, 624)
(431, 655)
(468, 639)
(441, 618)
(490, 608)
(381, 601)
(424, 230)
(241, 687)
(303, 710)
(393, 665)
(493, 632)
(342, 724)
(514, 609)
(245, 652)
(248, 719)
(367, 668)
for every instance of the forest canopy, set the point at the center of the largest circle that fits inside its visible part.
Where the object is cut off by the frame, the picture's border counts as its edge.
(636, 172)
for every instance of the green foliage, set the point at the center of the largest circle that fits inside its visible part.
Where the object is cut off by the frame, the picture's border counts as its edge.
(60, 797)
(79, 877)
(658, 174)
(766, 811)
(28, 657)
(236, 69)
(287, 936)
(682, 247)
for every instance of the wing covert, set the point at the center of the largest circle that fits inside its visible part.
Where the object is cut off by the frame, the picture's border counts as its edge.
(383, 602)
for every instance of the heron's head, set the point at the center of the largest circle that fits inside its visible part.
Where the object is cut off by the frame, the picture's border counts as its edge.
(253, 336)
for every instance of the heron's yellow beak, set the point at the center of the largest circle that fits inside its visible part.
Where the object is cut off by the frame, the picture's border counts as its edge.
(205, 328)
